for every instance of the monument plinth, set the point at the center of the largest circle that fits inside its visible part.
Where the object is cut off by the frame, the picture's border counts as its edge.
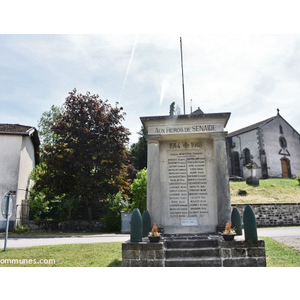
(188, 183)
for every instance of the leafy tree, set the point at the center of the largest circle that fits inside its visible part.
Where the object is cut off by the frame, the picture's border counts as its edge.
(48, 119)
(112, 212)
(139, 191)
(88, 158)
(39, 206)
(139, 151)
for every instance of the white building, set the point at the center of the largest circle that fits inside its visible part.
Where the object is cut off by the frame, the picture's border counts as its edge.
(19, 153)
(272, 144)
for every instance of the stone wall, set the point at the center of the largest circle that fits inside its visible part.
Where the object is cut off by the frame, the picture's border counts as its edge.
(74, 225)
(274, 214)
(142, 254)
(243, 254)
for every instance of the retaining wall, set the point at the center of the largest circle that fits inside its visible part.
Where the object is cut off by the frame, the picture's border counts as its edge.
(75, 225)
(274, 214)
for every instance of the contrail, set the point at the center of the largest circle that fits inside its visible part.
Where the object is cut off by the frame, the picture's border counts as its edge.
(127, 71)
(162, 93)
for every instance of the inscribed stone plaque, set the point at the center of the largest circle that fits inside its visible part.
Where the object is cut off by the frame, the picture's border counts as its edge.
(187, 184)
(189, 222)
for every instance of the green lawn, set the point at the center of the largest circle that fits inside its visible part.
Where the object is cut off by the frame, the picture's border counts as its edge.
(75, 255)
(268, 191)
(280, 255)
(110, 255)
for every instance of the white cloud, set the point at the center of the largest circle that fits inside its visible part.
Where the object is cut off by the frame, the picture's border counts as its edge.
(248, 75)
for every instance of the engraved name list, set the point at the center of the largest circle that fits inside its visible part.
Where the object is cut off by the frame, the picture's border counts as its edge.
(187, 184)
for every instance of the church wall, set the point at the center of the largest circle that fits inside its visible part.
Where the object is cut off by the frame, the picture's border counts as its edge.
(274, 150)
(248, 140)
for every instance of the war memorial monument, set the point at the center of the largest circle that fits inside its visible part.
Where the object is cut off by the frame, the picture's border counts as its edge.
(188, 186)
(188, 196)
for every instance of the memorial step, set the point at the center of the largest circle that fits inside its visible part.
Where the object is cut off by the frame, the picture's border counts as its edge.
(191, 243)
(192, 252)
(188, 252)
(193, 262)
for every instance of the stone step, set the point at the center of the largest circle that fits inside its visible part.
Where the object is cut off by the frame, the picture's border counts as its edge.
(181, 244)
(193, 262)
(192, 252)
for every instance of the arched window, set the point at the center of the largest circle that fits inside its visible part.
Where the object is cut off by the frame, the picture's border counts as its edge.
(247, 156)
(282, 142)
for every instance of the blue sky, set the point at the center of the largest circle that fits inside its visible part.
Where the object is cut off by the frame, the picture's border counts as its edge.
(249, 74)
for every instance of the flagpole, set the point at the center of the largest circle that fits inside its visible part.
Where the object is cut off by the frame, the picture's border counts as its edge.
(182, 76)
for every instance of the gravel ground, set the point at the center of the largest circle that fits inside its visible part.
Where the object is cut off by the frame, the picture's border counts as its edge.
(292, 242)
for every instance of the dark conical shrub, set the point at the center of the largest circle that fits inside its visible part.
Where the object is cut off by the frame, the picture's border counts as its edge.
(250, 224)
(236, 221)
(146, 223)
(136, 226)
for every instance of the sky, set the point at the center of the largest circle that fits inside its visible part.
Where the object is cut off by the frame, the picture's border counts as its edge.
(249, 74)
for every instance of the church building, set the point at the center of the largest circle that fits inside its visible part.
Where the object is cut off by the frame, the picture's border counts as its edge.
(268, 149)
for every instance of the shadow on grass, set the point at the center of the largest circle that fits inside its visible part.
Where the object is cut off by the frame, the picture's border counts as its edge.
(115, 263)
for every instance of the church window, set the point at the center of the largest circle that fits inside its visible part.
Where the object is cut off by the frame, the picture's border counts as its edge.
(283, 143)
(247, 156)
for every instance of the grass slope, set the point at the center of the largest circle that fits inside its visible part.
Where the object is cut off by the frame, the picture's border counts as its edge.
(268, 191)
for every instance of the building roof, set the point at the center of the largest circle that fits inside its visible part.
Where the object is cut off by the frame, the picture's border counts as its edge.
(17, 129)
(251, 127)
(197, 112)
(257, 125)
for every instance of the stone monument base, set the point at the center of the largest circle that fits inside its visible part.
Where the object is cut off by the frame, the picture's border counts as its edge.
(194, 251)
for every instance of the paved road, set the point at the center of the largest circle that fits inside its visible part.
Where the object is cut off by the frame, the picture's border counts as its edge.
(289, 236)
(289, 233)
(279, 232)
(58, 240)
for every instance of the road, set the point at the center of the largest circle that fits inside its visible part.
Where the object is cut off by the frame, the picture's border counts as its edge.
(279, 233)
(14, 242)
(289, 236)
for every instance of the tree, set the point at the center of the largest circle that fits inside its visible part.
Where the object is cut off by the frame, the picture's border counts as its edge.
(139, 191)
(48, 119)
(139, 151)
(88, 158)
